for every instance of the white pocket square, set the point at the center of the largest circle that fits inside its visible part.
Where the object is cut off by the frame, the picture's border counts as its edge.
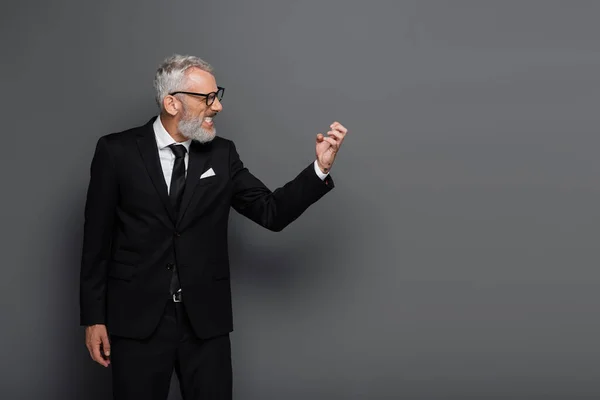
(209, 172)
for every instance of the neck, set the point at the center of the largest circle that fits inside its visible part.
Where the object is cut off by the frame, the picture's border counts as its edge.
(170, 124)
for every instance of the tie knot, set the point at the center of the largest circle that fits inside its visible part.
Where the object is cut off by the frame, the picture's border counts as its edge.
(178, 150)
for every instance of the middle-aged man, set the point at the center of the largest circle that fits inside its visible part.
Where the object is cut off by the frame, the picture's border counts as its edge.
(155, 294)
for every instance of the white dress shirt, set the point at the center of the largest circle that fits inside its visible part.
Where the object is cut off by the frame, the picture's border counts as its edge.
(167, 158)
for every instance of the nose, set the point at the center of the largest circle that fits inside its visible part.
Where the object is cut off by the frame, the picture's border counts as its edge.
(216, 106)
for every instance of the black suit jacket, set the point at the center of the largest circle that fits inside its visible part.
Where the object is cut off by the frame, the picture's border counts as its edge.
(132, 238)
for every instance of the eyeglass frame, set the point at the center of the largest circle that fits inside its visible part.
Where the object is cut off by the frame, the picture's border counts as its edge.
(206, 96)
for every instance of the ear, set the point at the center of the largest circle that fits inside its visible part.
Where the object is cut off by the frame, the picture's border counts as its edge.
(171, 105)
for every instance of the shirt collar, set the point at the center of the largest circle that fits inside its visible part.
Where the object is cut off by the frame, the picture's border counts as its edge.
(163, 139)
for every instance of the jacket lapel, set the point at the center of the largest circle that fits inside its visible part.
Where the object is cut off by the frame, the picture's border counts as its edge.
(199, 157)
(147, 146)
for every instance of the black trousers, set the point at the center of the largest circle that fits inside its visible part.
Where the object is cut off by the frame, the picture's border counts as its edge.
(142, 369)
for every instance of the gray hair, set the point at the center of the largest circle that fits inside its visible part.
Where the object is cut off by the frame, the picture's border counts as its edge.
(170, 74)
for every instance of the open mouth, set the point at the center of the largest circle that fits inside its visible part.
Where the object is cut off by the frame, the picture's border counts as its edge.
(208, 121)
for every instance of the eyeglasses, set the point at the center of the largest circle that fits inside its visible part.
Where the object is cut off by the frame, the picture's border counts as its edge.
(209, 97)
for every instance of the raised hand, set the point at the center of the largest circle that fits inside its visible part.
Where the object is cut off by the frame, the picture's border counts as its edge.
(328, 146)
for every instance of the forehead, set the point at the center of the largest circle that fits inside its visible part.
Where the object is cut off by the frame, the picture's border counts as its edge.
(200, 81)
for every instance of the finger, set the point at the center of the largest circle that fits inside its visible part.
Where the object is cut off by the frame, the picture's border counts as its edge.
(339, 127)
(320, 137)
(106, 345)
(90, 350)
(331, 141)
(96, 356)
(337, 135)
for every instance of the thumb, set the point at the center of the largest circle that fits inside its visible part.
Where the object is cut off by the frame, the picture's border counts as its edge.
(106, 345)
(320, 137)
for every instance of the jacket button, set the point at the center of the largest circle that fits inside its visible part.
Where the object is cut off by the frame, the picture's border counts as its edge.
(177, 234)
(170, 266)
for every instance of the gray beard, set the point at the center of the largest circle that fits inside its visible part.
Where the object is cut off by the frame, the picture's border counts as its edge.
(192, 129)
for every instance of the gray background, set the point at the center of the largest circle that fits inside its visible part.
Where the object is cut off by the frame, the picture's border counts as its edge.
(457, 257)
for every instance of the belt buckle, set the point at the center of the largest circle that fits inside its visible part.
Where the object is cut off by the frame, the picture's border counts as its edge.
(177, 297)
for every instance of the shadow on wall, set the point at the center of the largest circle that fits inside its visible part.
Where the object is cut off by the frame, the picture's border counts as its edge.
(73, 373)
(273, 262)
(72, 366)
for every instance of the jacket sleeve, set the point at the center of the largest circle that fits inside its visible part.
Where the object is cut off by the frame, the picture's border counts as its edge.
(274, 210)
(100, 207)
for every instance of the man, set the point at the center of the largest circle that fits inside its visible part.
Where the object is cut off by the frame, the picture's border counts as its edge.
(154, 288)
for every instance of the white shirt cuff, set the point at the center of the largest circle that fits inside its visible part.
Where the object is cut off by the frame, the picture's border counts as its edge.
(319, 173)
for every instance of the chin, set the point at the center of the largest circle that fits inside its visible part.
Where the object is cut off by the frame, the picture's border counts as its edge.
(197, 133)
(209, 137)
(202, 137)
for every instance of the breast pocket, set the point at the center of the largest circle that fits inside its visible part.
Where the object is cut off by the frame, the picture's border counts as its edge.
(207, 181)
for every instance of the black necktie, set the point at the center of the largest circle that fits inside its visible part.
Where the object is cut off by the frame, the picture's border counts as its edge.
(175, 194)
(178, 177)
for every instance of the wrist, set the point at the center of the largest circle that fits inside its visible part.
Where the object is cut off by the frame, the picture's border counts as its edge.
(323, 168)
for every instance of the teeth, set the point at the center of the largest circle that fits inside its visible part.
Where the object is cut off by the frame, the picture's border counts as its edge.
(208, 119)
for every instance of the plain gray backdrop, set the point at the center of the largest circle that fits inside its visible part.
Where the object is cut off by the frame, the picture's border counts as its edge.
(457, 257)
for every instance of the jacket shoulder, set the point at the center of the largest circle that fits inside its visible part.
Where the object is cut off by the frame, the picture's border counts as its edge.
(221, 143)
